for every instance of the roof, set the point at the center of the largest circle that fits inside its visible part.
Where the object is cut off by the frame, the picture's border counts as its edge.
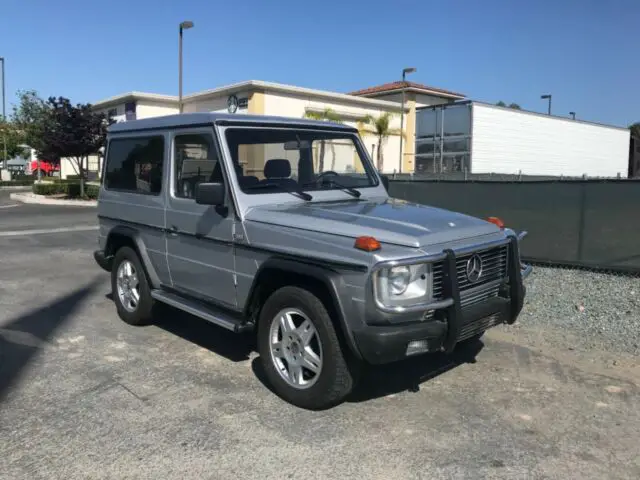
(251, 85)
(393, 87)
(520, 112)
(125, 97)
(192, 119)
(292, 89)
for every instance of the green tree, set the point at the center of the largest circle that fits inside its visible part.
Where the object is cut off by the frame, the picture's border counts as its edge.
(30, 116)
(635, 129)
(327, 115)
(381, 128)
(73, 132)
(515, 106)
(15, 144)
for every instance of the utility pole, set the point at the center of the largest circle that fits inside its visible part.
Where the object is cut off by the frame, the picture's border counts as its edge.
(4, 117)
(547, 97)
(183, 26)
(405, 71)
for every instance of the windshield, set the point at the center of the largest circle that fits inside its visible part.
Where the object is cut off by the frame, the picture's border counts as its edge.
(270, 159)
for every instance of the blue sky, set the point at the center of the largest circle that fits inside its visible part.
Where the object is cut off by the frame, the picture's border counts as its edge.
(584, 52)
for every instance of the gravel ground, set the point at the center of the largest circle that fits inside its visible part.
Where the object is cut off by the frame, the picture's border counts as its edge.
(601, 310)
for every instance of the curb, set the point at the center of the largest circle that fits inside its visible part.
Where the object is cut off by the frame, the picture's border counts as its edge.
(42, 200)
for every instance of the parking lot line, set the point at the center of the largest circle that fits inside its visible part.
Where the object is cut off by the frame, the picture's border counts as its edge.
(10, 206)
(18, 233)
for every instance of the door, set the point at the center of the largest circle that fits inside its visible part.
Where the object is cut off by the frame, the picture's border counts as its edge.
(199, 237)
(134, 191)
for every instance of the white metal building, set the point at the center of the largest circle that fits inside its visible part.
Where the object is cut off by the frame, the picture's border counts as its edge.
(483, 138)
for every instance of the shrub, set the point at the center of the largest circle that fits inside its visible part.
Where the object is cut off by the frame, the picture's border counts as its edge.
(69, 189)
(18, 182)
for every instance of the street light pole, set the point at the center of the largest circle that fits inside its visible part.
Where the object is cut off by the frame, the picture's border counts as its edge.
(4, 117)
(405, 71)
(573, 115)
(183, 26)
(547, 97)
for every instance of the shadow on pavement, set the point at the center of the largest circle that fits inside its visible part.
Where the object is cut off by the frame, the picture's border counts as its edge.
(233, 346)
(23, 337)
(408, 375)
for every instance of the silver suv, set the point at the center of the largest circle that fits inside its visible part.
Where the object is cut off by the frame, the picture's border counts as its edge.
(284, 228)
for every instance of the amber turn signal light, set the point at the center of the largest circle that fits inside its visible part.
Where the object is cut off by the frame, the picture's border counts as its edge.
(368, 244)
(496, 221)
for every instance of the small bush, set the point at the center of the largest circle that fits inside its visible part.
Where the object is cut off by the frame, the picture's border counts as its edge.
(69, 189)
(19, 182)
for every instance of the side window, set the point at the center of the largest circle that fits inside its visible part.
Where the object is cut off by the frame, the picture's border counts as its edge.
(196, 161)
(135, 165)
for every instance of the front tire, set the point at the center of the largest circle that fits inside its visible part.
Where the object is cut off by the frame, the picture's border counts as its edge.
(130, 288)
(300, 350)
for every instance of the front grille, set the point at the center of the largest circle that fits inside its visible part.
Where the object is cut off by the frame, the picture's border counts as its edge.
(470, 298)
(494, 267)
(479, 326)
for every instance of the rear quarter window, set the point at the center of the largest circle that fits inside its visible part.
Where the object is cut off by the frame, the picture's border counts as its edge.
(135, 165)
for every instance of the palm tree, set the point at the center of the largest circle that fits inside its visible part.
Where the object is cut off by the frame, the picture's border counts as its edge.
(327, 115)
(380, 127)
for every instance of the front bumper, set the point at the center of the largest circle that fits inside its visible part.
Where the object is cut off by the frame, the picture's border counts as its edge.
(451, 323)
(385, 344)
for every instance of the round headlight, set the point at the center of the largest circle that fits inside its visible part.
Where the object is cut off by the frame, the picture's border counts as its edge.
(399, 278)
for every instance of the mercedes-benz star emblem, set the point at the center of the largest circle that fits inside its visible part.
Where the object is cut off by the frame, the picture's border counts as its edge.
(474, 268)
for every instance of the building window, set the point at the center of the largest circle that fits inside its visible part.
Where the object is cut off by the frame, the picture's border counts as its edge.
(135, 165)
(130, 111)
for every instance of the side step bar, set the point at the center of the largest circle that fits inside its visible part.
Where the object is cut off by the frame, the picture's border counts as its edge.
(198, 309)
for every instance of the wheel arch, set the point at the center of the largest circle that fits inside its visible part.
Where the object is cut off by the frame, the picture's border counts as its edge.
(322, 281)
(121, 236)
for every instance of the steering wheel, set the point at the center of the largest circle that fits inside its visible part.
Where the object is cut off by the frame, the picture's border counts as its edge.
(323, 174)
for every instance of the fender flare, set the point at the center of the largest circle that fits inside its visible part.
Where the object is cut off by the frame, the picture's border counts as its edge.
(330, 278)
(134, 235)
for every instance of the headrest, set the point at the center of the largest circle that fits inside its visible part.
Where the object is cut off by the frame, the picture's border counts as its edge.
(277, 168)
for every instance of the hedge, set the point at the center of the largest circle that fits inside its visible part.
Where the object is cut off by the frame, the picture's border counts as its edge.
(70, 189)
(21, 182)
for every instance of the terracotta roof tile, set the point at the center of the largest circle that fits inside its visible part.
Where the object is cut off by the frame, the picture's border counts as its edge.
(408, 85)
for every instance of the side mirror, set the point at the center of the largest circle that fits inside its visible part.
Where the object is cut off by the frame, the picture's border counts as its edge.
(210, 193)
(385, 182)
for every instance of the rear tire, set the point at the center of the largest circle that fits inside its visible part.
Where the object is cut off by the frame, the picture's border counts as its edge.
(130, 288)
(300, 351)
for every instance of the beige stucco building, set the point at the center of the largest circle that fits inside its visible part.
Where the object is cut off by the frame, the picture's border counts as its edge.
(266, 98)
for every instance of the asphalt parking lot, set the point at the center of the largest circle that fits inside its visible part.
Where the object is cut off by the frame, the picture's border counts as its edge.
(83, 395)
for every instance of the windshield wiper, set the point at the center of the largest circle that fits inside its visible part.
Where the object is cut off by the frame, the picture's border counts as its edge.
(295, 192)
(350, 190)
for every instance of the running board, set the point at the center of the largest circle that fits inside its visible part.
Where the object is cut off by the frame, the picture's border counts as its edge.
(224, 320)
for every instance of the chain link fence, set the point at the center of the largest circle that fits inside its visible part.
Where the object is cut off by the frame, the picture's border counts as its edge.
(584, 223)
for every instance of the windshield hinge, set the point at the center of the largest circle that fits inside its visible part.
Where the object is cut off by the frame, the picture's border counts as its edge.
(235, 235)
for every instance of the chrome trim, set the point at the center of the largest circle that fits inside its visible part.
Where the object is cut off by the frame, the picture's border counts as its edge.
(479, 247)
(525, 271)
(432, 258)
(480, 288)
(436, 257)
(415, 308)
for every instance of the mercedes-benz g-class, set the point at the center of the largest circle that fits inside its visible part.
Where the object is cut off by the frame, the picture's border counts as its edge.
(283, 227)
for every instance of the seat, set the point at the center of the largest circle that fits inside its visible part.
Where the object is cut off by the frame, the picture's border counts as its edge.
(278, 170)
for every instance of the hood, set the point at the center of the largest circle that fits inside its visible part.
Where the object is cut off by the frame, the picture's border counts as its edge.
(389, 220)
